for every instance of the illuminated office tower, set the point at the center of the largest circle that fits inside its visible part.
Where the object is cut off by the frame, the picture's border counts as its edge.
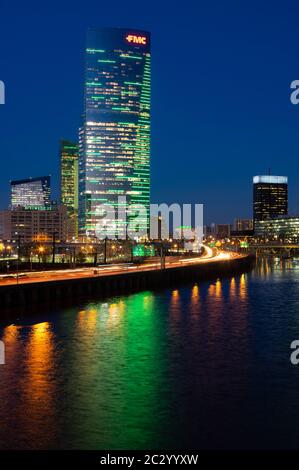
(114, 140)
(270, 196)
(69, 161)
(31, 193)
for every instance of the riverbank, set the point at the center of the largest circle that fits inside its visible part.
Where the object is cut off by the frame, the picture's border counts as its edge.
(99, 286)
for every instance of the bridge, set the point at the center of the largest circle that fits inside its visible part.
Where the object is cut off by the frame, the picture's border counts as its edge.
(279, 249)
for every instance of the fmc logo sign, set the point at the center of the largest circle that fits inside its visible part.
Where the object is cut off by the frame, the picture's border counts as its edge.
(134, 39)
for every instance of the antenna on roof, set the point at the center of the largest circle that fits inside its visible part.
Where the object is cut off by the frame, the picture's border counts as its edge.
(269, 171)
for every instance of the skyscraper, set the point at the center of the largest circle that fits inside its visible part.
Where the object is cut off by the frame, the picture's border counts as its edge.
(114, 140)
(69, 160)
(31, 193)
(270, 196)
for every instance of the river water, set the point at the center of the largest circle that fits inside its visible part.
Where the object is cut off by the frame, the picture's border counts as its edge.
(203, 366)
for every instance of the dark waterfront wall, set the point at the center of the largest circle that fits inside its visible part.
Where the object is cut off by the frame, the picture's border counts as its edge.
(101, 286)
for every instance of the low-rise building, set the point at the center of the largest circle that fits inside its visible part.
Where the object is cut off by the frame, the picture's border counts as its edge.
(33, 225)
(284, 228)
(223, 231)
(242, 225)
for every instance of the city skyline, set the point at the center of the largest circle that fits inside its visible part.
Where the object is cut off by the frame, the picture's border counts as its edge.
(149, 232)
(199, 125)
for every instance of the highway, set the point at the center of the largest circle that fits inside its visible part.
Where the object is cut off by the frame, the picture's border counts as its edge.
(113, 269)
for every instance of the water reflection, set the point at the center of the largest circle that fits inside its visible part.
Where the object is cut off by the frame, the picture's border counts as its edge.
(243, 287)
(218, 290)
(195, 302)
(175, 297)
(179, 367)
(28, 382)
(175, 307)
(119, 374)
(233, 288)
(40, 362)
(39, 385)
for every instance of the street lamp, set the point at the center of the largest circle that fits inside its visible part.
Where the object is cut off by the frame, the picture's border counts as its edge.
(40, 250)
(96, 250)
(53, 246)
(18, 254)
(105, 250)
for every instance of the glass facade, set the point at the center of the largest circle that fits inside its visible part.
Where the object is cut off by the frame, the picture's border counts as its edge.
(114, 140)
(282, 228)
(270, 196)
(31, 193)
(69, 161)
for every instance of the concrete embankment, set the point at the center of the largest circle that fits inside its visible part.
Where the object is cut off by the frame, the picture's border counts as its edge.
(97, 286)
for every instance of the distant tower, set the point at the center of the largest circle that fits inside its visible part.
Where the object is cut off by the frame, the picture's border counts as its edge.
(270, 196)
(69, 184)
(31, 193)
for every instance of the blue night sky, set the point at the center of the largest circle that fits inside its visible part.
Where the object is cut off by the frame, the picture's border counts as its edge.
(221, 111)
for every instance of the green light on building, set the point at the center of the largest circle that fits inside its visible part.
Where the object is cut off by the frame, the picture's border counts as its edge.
(69, 184)
(138, 251)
